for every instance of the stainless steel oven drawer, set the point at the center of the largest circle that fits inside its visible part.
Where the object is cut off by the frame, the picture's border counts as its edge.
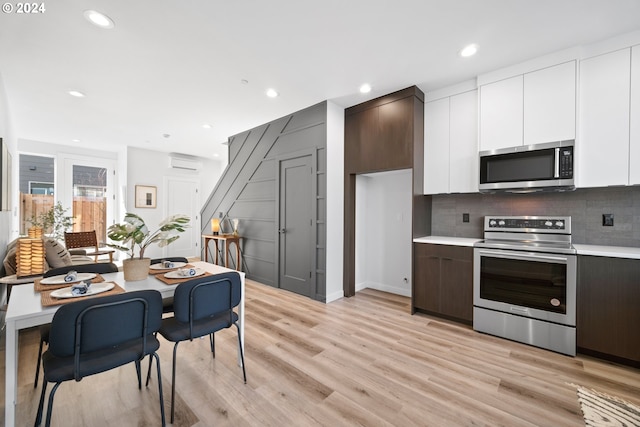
(559, 338)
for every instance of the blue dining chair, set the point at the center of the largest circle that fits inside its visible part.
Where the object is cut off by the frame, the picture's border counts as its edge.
(98, 268)
(202, 306)
(94, 335)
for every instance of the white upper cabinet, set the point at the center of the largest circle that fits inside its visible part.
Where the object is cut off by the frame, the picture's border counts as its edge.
(451, 144)
(550, 104)
(634, 143)
(530, 108)
(436, 146)
(501, 114)
(603, 151)
(463, 143)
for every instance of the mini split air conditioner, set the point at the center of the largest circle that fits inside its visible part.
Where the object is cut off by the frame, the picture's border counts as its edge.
(184, 162)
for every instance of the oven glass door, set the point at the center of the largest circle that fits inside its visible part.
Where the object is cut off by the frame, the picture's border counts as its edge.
(531, 284)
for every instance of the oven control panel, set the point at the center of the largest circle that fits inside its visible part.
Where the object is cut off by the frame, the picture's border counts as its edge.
(555, 224)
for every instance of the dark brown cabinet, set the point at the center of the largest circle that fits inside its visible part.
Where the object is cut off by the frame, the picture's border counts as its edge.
(380, 134)
(608, 315)
(383, 134)
(443, 281)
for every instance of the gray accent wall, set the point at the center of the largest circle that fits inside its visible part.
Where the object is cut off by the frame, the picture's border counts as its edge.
(585, 206)
(247, 190)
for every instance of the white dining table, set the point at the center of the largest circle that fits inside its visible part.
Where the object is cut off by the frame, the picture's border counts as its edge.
(26, 311)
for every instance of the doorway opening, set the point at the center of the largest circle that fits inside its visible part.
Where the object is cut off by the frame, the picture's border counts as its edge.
(383, 231)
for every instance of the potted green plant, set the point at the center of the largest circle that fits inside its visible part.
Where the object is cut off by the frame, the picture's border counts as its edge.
(133, 232)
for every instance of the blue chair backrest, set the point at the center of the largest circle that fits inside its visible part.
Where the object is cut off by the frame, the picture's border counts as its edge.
(98, 267)
(207, 296)
(101, 323)
(169, 258)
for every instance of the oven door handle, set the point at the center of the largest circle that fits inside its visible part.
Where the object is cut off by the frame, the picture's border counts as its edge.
(525, 257)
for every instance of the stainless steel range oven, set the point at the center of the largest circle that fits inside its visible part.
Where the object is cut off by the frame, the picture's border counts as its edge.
(524, 283)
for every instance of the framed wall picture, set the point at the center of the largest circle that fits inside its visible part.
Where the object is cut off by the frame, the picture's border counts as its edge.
(146, 196)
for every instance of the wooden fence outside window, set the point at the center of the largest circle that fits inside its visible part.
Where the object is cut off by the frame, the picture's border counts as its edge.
(89, 212)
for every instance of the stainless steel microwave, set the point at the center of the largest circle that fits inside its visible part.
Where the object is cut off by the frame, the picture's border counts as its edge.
(528, 168)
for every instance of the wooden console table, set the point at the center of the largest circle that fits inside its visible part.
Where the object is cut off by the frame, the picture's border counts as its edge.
(225, 240)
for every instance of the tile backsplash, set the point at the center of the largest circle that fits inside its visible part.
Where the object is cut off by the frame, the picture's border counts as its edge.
(585, 206)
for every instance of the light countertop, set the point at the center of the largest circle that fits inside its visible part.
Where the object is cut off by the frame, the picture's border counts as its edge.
(582, 249)
(445, 240)
(608, 251)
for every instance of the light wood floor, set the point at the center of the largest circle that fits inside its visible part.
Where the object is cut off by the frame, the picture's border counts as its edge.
(357, 361)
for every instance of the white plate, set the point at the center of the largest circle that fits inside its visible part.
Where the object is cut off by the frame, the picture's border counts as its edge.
(59, 280)
(176, 264)
(95, 288)
(176, 274)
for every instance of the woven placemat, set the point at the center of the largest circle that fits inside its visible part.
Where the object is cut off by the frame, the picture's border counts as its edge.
(180, 280)
(42, 288)
(155, 272)
(48, 301)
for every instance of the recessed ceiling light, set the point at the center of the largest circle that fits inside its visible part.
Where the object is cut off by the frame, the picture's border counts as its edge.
(76, 93)
(271, 93)
(216, 155)
(99, 19)
(469, 50)
(207, 126)
(75, 140)
(365, 88)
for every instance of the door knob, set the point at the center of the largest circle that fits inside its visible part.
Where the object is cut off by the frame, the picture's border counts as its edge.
(282, 231)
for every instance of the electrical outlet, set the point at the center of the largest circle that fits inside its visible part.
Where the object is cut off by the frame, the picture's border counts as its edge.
(607, 220)
(465, 217)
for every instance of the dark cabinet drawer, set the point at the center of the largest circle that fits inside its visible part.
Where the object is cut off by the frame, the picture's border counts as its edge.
(608, 314)
(443, 280)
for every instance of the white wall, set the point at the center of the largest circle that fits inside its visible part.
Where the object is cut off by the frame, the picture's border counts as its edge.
(8, 219)
(383, 232)
(146, 167)
(335, 202)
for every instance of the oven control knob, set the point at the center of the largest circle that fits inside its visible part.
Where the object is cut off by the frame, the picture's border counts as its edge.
(492, 223)
(548, 223)
(501, 223)
(559, 224)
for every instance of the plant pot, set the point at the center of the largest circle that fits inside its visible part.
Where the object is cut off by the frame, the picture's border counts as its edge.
(136, 268)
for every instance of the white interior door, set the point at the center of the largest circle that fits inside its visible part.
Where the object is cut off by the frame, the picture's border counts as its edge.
(183, 198)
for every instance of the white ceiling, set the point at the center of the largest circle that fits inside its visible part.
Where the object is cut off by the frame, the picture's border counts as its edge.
(170, 66)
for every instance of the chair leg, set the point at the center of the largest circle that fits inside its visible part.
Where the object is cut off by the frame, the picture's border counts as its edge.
(139, 374)
(173, 381)
(151, 357)
(244, 372)
(149, 371)
(50, 406)
(212, 341)
(35, 382)
(41, 405)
